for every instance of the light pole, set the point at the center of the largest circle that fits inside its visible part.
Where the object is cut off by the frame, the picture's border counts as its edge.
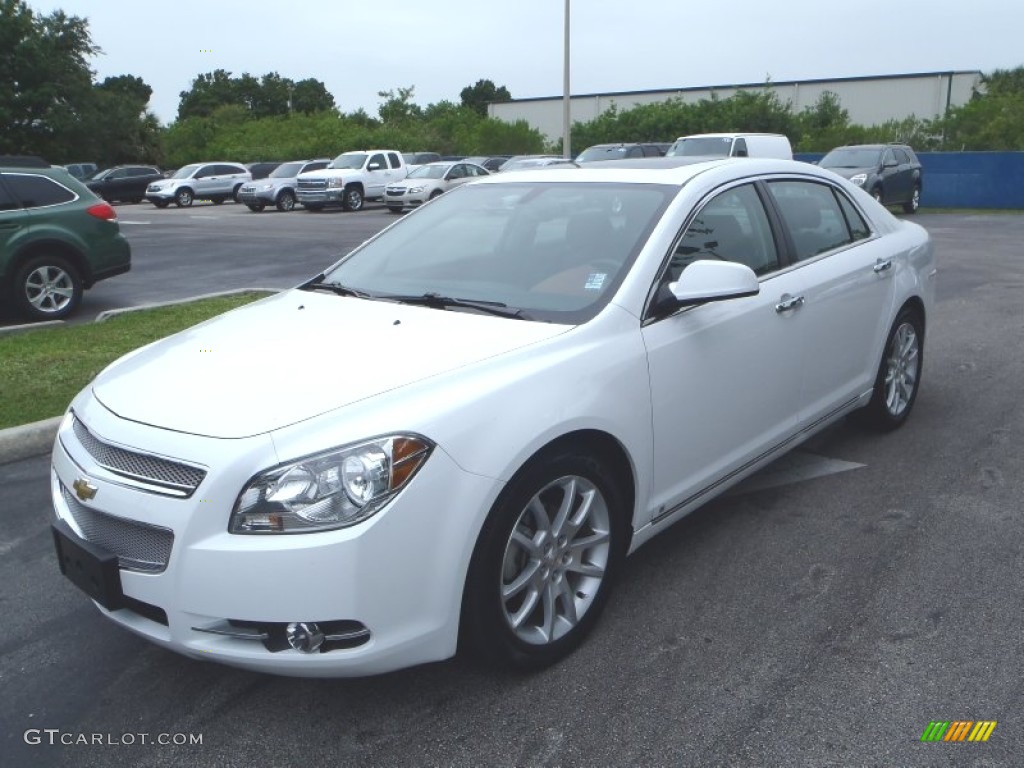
(565, 88)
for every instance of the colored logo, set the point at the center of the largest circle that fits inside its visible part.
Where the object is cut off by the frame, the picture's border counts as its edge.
(958, 730)
(84, 489)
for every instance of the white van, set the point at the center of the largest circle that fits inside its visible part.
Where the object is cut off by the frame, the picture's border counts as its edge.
(732, 145)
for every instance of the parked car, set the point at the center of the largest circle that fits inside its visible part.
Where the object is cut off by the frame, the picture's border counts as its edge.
(216, 182)
(351, 179)
(25, 161)
(81, 171)
(890, 173)
(262, 170)
(56, 240)
(278, 188)
(523, 162)
(491, 162)
(460, 429)
(620, 151)
(126, 183)
(732, 145)
(429, 181)
(414, 159)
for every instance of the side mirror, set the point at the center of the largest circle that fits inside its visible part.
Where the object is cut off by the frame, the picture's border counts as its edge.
(373, 167)
(707, 280)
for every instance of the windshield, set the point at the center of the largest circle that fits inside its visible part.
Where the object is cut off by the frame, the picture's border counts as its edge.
(601, 153)
(350, 160)
(101, 175)
(286, 171)
(705, 146)
(429, 172)
(186, 171)
(555, 250)
(851, 158)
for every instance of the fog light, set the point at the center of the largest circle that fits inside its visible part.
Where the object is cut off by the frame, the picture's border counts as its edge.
(304, 636)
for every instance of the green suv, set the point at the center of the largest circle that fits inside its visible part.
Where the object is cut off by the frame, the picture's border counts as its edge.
(56, 239)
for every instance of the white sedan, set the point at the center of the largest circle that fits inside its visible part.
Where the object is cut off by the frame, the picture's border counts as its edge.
(461, 429)
(429, 181)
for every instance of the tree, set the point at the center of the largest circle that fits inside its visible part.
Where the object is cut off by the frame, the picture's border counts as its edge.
(209, 91)
(45, 81)
(309, 96)
(397, 107)
(477, 96)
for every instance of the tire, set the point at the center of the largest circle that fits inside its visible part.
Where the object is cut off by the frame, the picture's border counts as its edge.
(877, 194)
(256, 207)
(161, 203)
(353, 198)
(47, 288)
(217, 200)
(533, 592)
(394, 209)
(899, 374)
(234, 193)
(183, 197)
(914, 203)
(285, 201)
(136, 200)
(313, 207)
(435, 193)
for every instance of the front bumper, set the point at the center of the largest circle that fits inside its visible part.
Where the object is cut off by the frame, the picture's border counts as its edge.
(320, 196)
(398, 574)
(256, 197)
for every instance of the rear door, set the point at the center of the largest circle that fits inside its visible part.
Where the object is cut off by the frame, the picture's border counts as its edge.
(14, 223)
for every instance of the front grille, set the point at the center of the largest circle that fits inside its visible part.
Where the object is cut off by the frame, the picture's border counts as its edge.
(138, 546)
(140, 466)
(396, 192)
(312, 184)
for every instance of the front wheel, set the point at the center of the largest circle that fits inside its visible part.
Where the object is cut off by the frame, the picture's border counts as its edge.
(545, 561)
(286, 201)
(914, 202)
(877, 194)
(47, 288)
(183, 198)
(899, 374)
(353, 199)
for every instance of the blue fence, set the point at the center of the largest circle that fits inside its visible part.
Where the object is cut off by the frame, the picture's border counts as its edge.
(966, 179)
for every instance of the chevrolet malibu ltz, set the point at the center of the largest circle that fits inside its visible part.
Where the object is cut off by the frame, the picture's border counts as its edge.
(453, 437)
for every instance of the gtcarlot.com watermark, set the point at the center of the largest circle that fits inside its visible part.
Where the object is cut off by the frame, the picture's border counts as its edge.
(55, 736)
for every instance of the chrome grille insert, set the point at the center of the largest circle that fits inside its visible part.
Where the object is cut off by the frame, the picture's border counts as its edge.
(138, 546)
(139, 466)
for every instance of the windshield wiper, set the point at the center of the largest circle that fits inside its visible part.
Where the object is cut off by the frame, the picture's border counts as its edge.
(337, 288)
(437, 301)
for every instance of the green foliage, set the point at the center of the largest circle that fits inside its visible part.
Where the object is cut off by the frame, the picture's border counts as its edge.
(479, 95)
(268, 96)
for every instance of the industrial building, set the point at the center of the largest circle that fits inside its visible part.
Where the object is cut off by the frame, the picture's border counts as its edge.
(868, 100)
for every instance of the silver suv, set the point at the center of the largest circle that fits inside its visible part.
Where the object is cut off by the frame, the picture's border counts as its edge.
(204, 181)
(279, 187)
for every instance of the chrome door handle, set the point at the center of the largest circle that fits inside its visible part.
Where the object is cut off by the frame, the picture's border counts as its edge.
(787, 304)
(882, 265)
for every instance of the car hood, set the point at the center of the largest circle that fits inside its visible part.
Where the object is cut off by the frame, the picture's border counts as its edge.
(297, 355)
(848, 173)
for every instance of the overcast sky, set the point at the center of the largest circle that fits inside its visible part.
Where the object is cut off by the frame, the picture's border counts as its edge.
(358, 48)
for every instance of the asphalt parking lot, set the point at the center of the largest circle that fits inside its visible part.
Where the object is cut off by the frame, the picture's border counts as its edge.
(822, 621)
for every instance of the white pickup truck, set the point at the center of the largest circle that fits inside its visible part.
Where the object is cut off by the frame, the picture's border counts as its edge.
(351, 179)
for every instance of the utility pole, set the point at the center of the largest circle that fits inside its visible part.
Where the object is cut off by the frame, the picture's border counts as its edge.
(565, 89)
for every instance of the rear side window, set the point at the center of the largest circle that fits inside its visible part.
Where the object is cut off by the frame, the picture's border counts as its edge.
(7, 201)
(38, 191)
(813, 216)
(396, 161)
(858, 228)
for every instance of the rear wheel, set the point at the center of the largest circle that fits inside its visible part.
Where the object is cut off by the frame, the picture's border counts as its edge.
(286, 201)
(256, 207)
(545, 561)
(47, 288)
(914, 202)
(313, 207)
(899, 374)
(217, 200)
(161, 203)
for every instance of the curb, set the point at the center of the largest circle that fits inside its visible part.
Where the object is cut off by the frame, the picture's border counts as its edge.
(36, 439)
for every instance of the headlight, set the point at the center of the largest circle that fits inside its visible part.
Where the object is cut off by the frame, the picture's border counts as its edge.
(334, 182)
(415, 190)
(859, 179)
(329, 490)
(264, 187)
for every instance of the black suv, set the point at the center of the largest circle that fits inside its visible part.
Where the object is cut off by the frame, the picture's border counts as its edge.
(891, 173)
(621, 151)
(126, 183)
(56, 239)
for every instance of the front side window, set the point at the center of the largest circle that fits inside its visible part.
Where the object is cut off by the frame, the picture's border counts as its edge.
(186, 172)
(556, 251)
(732, 226)
(379, 162)
(812, 216)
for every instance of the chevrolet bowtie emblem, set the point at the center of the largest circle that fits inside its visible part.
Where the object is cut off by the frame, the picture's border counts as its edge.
(84, 489)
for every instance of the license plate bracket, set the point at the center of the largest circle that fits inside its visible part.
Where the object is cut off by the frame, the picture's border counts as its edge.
(89, 567)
